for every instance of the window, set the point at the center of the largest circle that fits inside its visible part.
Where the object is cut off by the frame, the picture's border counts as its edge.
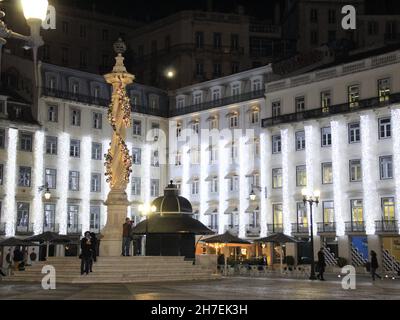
(75, 117)
(197, 98)
(325, 101)
(277, 214)
(300, 140)
(94, 219)
(302, 218)
(24, 177)
(355, 170)
(386, 167)
(214, 123)
(214, 185)
(301, 176)
(199, 39)
(276, 109)
(214, 221)
(95, 182)
(313, 15)
(73, 181)
(236, 89)
(155, 159)
(136, 186)
(1, 177)
(256, 85)
(385, 128)
(233, 151)
(213, 154)
(22, 216)
(314, 37)
(234, 219)
(195, 127)
(154, 187)
(178, 130)
(326, 137)
(233, 121)
(2, 138)
(83, 58)
(300, 104)
(327, 174)
(356, 210)
(49, 217)
(153, 102)
(254, 219)
(354, 132)
(50, 178)
(328, 214)
(72, 216)
(256, 148)
(52, 113)
(331, 16)
(51, 145)
(199, 69)
(26, 142)
(354, 96)
(233, 184)
(254, 116)
(384, 89)
(180, 103)
(195, 187)
(137, 127)
(75, 148)
(195, 156)
(277, 178)
(234, 67)
(216, 94)
(65, 27)
(388, 208)
(97, 120)
(96, 151)
(136, 155)
(217, 70)
(178, 159)
(234, 41)
(276, 144)
(331, 35)
(217, 40)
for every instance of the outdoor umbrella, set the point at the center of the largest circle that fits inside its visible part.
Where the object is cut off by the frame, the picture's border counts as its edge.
(226, 238)
(279, 238)
(50, 237)
(15, 242)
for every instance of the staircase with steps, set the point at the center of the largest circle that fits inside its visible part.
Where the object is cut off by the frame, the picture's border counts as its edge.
(117, 270)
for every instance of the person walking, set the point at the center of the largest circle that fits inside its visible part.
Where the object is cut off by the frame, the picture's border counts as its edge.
(321, 264)
(86, 253)
(18, 257)
(94, 250)
(126, 237)
(374, 265)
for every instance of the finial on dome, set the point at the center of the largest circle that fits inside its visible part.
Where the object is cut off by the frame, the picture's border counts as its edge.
(119, 46)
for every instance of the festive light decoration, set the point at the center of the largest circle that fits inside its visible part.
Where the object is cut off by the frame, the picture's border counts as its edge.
(146, 183)
(62, 177)
(129, 187)
(86, 172)
(185, 187)
(265, 181)
(10, 185)
(396, 156)
(369, 163)
(38, 177)
(222, 182)
(203, 183)
(243, 185)
(338, 131)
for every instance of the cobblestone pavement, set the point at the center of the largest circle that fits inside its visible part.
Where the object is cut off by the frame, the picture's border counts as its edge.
(236, 288)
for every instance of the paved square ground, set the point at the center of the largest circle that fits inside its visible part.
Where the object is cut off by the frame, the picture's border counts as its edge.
(235, 288)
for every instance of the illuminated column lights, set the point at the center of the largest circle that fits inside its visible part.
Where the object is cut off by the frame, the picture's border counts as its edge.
(312, 165)
(288, 205)
(106, 186)
(243, 185)
(338, 131)
(146, 167)
(185, 189)
(369, 170)
(10, 183)
(223, 184)
(86, 171)
(62, 186)
(38, 177)
(265, 179)
(396, 156)
(129, 185)
(203, 182)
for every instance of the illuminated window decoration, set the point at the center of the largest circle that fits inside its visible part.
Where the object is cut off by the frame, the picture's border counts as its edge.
(339, 167)
(396, 156)
(9, 200)
(370, 170)
(63, 177)
(38, 175)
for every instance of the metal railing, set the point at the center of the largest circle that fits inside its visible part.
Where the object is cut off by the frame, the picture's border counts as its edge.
(275, 228)
(253, 230)
(386, 225)
(74, 229)
(217, 103)
(232, 229)
(24, 229)
(300, 228)
(213, 227)
(2, 228)
(331, 110)
(52, 227)
(326, 227)
(354, 226)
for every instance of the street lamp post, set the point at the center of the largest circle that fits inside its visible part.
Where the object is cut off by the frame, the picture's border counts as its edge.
(146, 209)
(252, 194)
(311, 199)
(47, 193)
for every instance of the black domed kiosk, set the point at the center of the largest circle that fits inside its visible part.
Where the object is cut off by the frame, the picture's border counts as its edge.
(171, 230)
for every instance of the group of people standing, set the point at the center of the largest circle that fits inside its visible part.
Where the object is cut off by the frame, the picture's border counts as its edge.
(88, 252)
(127, 239)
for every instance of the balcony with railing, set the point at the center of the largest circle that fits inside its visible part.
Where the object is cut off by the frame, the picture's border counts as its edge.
(275, 228)
(2, 229)
(74, 229)
(232, 229)
(51, 227)
(364, 104)
(253, 230)
(354, 227)
(24, 229)
(217, 103)
(95, 229)
(214, 227)
(300, 229)
(386, 226)
(326, 228)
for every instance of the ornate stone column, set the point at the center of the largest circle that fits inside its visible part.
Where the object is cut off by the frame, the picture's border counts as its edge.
(118, 162)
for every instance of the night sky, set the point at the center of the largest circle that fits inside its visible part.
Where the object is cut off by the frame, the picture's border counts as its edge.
(154, 9)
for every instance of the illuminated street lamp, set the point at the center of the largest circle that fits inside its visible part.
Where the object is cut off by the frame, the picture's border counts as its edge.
(146, 210)
(311, 198)
(47, 193)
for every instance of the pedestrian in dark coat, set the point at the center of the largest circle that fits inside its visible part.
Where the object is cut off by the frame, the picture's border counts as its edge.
(86, 253)
(321, 264)
(374, 265)
(94, 250)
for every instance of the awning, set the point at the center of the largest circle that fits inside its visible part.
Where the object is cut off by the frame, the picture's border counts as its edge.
(231, 174)
(231, 209)
(211, 177)
(211, 210)
(252, 173)
(252, 208)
